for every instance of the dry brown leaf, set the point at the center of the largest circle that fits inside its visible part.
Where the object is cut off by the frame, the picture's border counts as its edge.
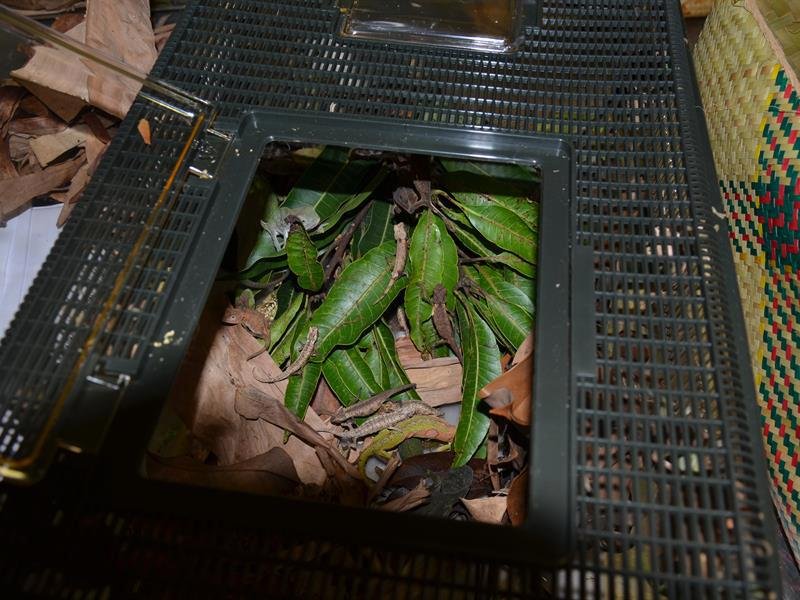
(33, 106)
(65, 22)
(204, 392)
(252, 403)
(487, 510)
(525, 350)
(65, 82)
(79, 181)
(122, 29)
(10, 98)
(270, 473)
(72, 195)
(20, 147)
(518, 499)
(7, 168)
(324, 401)
(97, 126)
(36, 126)
(416, 497)
(492, 454)
(64, 105)
(40, 4)
(94, 152)
(47, 148)
(143, 127)
(518, 383)
(438, 380)
(58, 78)
(17, 192)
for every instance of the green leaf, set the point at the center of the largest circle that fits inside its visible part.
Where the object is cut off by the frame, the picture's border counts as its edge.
(375, 229)
(486, 314)
(349, 376)
(513, 321)
(301, 387)
(354, 201)
(285, 318)
(481, 366)
(357, 299)
(511, 294)
(525, 284)
(488, 277)
(384, 341)
(460, 227)
(302, 256)
(372, 356)
(503, 228)
(510, 186)
(327, 184)
(282, 348)
(418, 311)
(432, 259)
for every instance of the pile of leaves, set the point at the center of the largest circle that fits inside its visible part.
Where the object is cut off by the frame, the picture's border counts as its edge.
(382, 312)
(58, 112)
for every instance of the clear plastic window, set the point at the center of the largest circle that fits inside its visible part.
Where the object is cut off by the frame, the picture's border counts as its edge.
(486, 25)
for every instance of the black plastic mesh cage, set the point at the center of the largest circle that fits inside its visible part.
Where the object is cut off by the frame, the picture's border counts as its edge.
(657, 486)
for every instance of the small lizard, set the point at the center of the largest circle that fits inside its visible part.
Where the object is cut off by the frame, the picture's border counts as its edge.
(401, 237)
(302, 359)
(370, 405)
(441, 320)
(251, 320)
(421, 426)
(388, 420)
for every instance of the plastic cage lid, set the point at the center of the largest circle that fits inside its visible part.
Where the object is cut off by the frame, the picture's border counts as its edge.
(484, 25)
(33, 411)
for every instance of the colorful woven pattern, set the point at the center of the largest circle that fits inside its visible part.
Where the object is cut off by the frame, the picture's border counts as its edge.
(753, 115)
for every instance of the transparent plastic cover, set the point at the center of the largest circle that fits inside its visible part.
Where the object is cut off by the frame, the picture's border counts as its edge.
(485, 25)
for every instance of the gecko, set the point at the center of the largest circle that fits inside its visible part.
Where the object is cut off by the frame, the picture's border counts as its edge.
(441, 320)
(388, 420)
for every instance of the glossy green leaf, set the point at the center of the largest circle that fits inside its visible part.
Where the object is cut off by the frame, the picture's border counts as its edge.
(282, 348)
(479, 190)
(375, 229)
(372, 356)
(525, 284)
(384, 341)
(418, 311)
(328, 184)
(357, 299)
(349, 376)
(488, 277)
(301, 387)
(503, 228)
(513, 321)
(432, 260)
(354, 201)
(461, 229)
(302, 257)
(286, 317)
(513, 295)
(481, 366)
(518, 180)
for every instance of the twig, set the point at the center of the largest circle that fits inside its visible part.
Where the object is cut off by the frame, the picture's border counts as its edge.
(344, 241)
(270, 285)
(302, 360)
